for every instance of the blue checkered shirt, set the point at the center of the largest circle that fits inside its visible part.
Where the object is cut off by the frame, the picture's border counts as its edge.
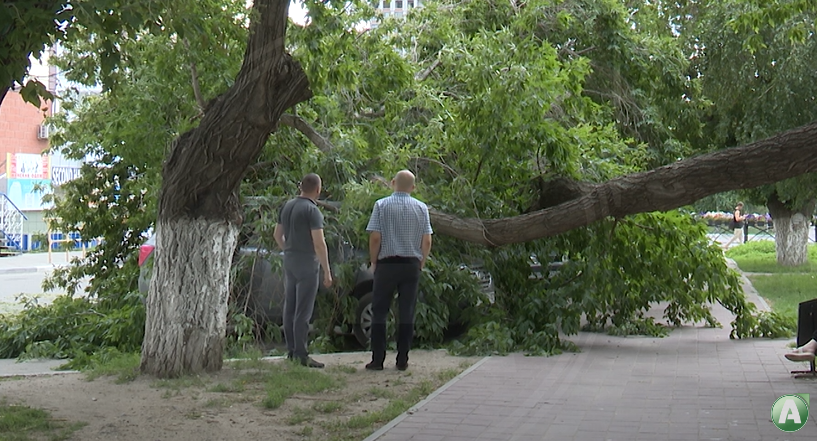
(402, 222)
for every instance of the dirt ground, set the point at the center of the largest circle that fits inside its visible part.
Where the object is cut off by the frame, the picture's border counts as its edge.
(228, 405)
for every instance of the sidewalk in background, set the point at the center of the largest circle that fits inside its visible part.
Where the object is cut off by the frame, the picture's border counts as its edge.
(33, 262)
(13, 368)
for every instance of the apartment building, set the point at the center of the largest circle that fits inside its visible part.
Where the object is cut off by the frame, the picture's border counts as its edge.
(27, 169)
(397, 8)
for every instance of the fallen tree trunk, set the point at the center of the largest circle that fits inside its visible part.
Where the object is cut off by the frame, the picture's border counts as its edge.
(771, 160)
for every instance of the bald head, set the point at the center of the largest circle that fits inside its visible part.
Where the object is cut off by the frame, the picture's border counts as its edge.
(403, 181)
(310, 184)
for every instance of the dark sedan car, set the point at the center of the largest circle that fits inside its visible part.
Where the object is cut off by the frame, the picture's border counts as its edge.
(265, 286)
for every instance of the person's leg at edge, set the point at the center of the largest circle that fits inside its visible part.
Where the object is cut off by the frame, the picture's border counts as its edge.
(736, 236)
(306, 291)
(382, 291)
(290, 302)
(407, 299)
(805, 352)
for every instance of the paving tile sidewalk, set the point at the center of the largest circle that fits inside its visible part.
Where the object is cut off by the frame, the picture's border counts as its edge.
(695, 384)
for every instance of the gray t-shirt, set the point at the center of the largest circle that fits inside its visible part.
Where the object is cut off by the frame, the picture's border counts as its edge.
(299, 217)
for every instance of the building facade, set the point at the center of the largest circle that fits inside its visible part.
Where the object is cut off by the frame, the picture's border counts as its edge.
(27, 169)
(397, 8)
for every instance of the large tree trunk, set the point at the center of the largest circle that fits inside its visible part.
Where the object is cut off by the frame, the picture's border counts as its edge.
(199, 212)
(190, 341)
(791, 228)
(763, 162)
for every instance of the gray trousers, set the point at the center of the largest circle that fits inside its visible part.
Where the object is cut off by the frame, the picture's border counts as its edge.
(301, 287)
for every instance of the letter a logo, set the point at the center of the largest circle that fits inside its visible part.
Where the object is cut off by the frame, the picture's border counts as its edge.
(790, 412)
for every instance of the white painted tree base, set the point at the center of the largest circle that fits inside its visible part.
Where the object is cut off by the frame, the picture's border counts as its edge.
(187, 302)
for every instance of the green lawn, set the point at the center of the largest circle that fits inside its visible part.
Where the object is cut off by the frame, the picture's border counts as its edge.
(784, 287)
(785, 291)
(22, 423)
(760, 257)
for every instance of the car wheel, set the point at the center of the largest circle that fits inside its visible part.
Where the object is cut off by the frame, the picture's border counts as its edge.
(363, 327)
(364, 315)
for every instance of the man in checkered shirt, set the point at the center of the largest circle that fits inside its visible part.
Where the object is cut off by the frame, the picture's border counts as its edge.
(399, 244)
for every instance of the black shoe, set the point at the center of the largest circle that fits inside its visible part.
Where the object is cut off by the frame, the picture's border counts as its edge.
(402, 362)
(309, 362)
(289, 355)
(374, 366)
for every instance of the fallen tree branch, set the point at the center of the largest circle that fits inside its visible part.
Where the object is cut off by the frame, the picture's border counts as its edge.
(445, 166)
(424, 74)
(327, 205)
(302, 126)
(763, 162)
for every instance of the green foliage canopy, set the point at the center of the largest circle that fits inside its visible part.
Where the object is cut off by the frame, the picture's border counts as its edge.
(484, 101)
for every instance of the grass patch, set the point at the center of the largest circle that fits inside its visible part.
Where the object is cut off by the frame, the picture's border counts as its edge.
(180, 383)
(327, 406)
(447, 374)
(124, 366)
(371, 420)
(250, 363)
(378, 392)
(234, 387)
(300, 415)
(760, 257)
(785, 291)
(12, 378)
(23, 423)
(215, 403)
(344, 369)
(287, 379)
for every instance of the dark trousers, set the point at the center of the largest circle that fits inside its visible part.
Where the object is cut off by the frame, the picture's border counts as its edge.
(301, 288)
(403, 277)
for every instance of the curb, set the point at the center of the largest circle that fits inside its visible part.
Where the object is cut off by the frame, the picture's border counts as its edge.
(32, 269)
(38, 374)
(748, 289)
(411, 410)
(15, 368)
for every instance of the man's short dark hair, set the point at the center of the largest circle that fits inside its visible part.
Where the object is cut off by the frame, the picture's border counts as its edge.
(310, 183)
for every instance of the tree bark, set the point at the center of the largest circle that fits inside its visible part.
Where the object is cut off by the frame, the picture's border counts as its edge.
(188, 317)
(199, 212)
(791, 229)
(763, 162)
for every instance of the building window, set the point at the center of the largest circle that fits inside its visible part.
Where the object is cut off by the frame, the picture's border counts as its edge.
(410, 4)
(386, 4)
(398, 4)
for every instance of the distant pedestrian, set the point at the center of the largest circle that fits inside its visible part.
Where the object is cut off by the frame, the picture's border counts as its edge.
(737, 225)
(299, 232)
(399, 244)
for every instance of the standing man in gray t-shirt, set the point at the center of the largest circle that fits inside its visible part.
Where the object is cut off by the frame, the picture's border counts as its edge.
(399, 244)
(299, 233)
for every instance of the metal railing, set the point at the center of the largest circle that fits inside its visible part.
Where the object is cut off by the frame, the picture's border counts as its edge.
(11, 223)
(754, 230)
